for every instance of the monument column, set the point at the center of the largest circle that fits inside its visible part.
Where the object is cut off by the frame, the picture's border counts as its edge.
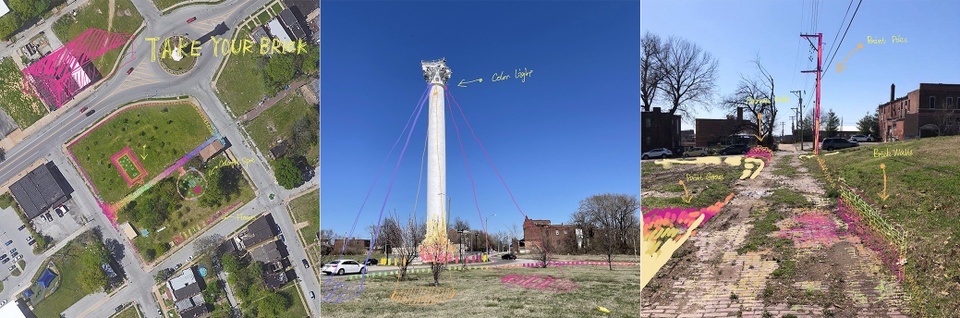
(436, 73)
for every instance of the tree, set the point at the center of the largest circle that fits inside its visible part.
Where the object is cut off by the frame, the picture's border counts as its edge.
(207, 245)
(311, 60)
(461, 225)
(92, 277)
(304, 133)
(689, 75)
(272, 305)
(756, 97)
(411, 235)
(9, 23)
(29, 9)
(869, 125)
(279, 70)
(610, 218)
(651, 70)
(832, 123)
(231, 264)
(287, 174)
(3, 155)
(164, 274)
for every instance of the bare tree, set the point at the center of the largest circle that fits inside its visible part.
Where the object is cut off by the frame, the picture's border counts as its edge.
(207, 245)
(611, 218)
(389, 232)
(756, 96)
(689, 75)
(410, 236)
(461, 225)
(651, 71)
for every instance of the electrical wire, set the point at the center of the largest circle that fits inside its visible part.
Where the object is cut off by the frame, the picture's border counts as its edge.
(843, 37)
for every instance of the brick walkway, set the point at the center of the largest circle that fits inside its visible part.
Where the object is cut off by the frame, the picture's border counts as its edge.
(253, 113)
(718, 273)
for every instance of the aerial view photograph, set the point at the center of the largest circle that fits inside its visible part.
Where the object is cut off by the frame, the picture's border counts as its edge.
(480, 158)
(159, 158)
(800, 158)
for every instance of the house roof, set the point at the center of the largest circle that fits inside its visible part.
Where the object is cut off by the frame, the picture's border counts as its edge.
(12, 309)
(261, 230)
(276, 29)
(211, 150)
(41, 189)
(292, 23)
(227, 246)
(184, 285)
(194, 312)
(128, 230)
(275, 280)
(268, 253)
(3, 10)
(278, 150)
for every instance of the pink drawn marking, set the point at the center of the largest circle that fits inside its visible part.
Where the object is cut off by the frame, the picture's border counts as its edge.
(541, 282)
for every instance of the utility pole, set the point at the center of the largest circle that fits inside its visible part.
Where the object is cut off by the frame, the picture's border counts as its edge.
(816, 115)
(781, 130)
(800, 114)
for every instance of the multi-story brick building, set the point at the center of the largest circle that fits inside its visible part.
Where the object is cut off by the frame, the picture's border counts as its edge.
(556, 236)
(659, 130)
(929, 111)
(718, 132)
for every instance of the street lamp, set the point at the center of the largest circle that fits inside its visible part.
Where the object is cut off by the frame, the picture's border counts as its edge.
(485, 228)
(461, 243)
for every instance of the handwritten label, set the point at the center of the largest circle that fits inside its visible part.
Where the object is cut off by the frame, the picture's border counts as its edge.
(517, 73)
(224, 46)
(779, 99)
(708, 176)
(227, 163)
(893, 39)
(880, 153)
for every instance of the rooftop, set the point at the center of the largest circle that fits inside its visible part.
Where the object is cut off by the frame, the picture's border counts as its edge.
(269, 253)
(261, 230)
(41, 189)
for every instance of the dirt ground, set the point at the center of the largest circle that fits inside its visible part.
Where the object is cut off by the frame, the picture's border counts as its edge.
(832, 274)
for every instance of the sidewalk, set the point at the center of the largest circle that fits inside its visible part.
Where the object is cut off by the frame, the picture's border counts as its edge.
(253, 113)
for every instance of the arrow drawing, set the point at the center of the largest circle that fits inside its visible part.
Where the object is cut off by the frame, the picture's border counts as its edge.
(840, 66)
(686, 197)
(884, 194)
(759, 126)
(479, 79)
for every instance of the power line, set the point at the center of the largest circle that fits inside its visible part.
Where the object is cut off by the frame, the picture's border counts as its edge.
(833, 49)
(844, 36)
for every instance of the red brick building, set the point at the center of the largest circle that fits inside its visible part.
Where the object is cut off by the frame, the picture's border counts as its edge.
(929, 111)
(354, 246)
(659, 130)
(717, 132)
(556, 235)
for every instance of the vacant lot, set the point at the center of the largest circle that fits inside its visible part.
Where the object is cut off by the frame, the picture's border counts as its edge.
(305, 210)
(275, 124)
(159, 135)
(129, 312)
(481, 293)
(95, 14)
(661, 187)
(241, 86)
(69, 290)
(924, 191)
(25, 109)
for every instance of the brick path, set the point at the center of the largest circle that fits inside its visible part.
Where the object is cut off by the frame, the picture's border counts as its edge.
(253, 113)
(718, 271)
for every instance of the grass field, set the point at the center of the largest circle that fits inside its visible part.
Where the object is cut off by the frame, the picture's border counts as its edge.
(666, 183)
(275, 123)
(164, 4)
(126, 19)
(129, 312)
(25, 109)
(159, 138)
(70, 290)
(306, 208)
(481, 294)
(240, 85)
(924, 191)
(296, 302)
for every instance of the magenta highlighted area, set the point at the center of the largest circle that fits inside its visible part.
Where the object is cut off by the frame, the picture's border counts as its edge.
(60, 76)
(811, 229)
(541, 282)
(129, 166)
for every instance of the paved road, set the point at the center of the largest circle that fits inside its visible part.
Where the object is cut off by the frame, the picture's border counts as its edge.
(148, 80)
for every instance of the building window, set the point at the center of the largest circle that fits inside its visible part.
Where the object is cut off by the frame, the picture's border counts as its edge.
(648, 123)
(558, 232)
(933, 102)
(565, 231)
(949, 102)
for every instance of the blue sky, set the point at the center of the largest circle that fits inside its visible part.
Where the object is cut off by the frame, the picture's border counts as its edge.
(568, 132)
(771, 30)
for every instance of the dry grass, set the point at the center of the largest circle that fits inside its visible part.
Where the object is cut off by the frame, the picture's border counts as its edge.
(480, 294)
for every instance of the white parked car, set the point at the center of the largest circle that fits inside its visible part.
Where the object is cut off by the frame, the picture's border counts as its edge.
(657, 153)
(862, 138)
(343, 266)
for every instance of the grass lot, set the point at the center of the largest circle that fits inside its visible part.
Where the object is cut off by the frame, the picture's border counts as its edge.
(69, 291)
(705, 192)
(277, 7)
(296, 302)
(129, 312)
(94, 14)
(275, 123)
(924, 195)
(168, 136)
(25, 109)
(240, 85)
(480, 293)
(306, 208)
(164, 4)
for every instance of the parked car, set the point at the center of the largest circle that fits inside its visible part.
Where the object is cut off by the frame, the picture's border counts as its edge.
(372, 261)
(837, 143)
(60, 210)
(49, 218)
(29, 238)
(343, 266)
(178, 266)
(130, 70)
(662, 153)
(862, 138)
(8, 243)
(3, 256)
(22, 227)
(695, 152)
(191, 19)
(508, 256)
(312, 295)
(119, 308)
(305, 264)
(281, 238)
(12, 267)
(17, 258)
(4, 261)
(84, 109)
(735, 150)
(91, 112)
(13, 251)
(31, 242)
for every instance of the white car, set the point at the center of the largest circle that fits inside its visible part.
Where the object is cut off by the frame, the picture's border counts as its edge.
(862, 138)
(343, 266)
(657, 153)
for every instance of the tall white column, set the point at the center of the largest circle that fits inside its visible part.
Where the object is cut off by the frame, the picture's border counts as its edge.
(436, 73)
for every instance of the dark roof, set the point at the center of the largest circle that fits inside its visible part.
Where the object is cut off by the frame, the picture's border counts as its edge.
(187, 291)
(41, 189)
(269, 253)
(261, 230)
(292, 23)
(227, 246)
(195, 312)
(275, 280)
(278, 150)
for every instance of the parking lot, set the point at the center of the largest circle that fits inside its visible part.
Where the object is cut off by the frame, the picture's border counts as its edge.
(61, 227)
(17, 238)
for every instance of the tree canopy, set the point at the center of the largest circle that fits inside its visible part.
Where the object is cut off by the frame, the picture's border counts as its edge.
(287, 174)
(92, 277)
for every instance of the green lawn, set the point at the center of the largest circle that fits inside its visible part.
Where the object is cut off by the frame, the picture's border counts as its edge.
(129, 312)
(94, 14)
(240, 85)
(69, 290)
(924, 191)
(306, 208)
(705, 192)
(263, 17)
(25, 109)
(296, 302)
(275, 123)
(159, 138)
(277, 7)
